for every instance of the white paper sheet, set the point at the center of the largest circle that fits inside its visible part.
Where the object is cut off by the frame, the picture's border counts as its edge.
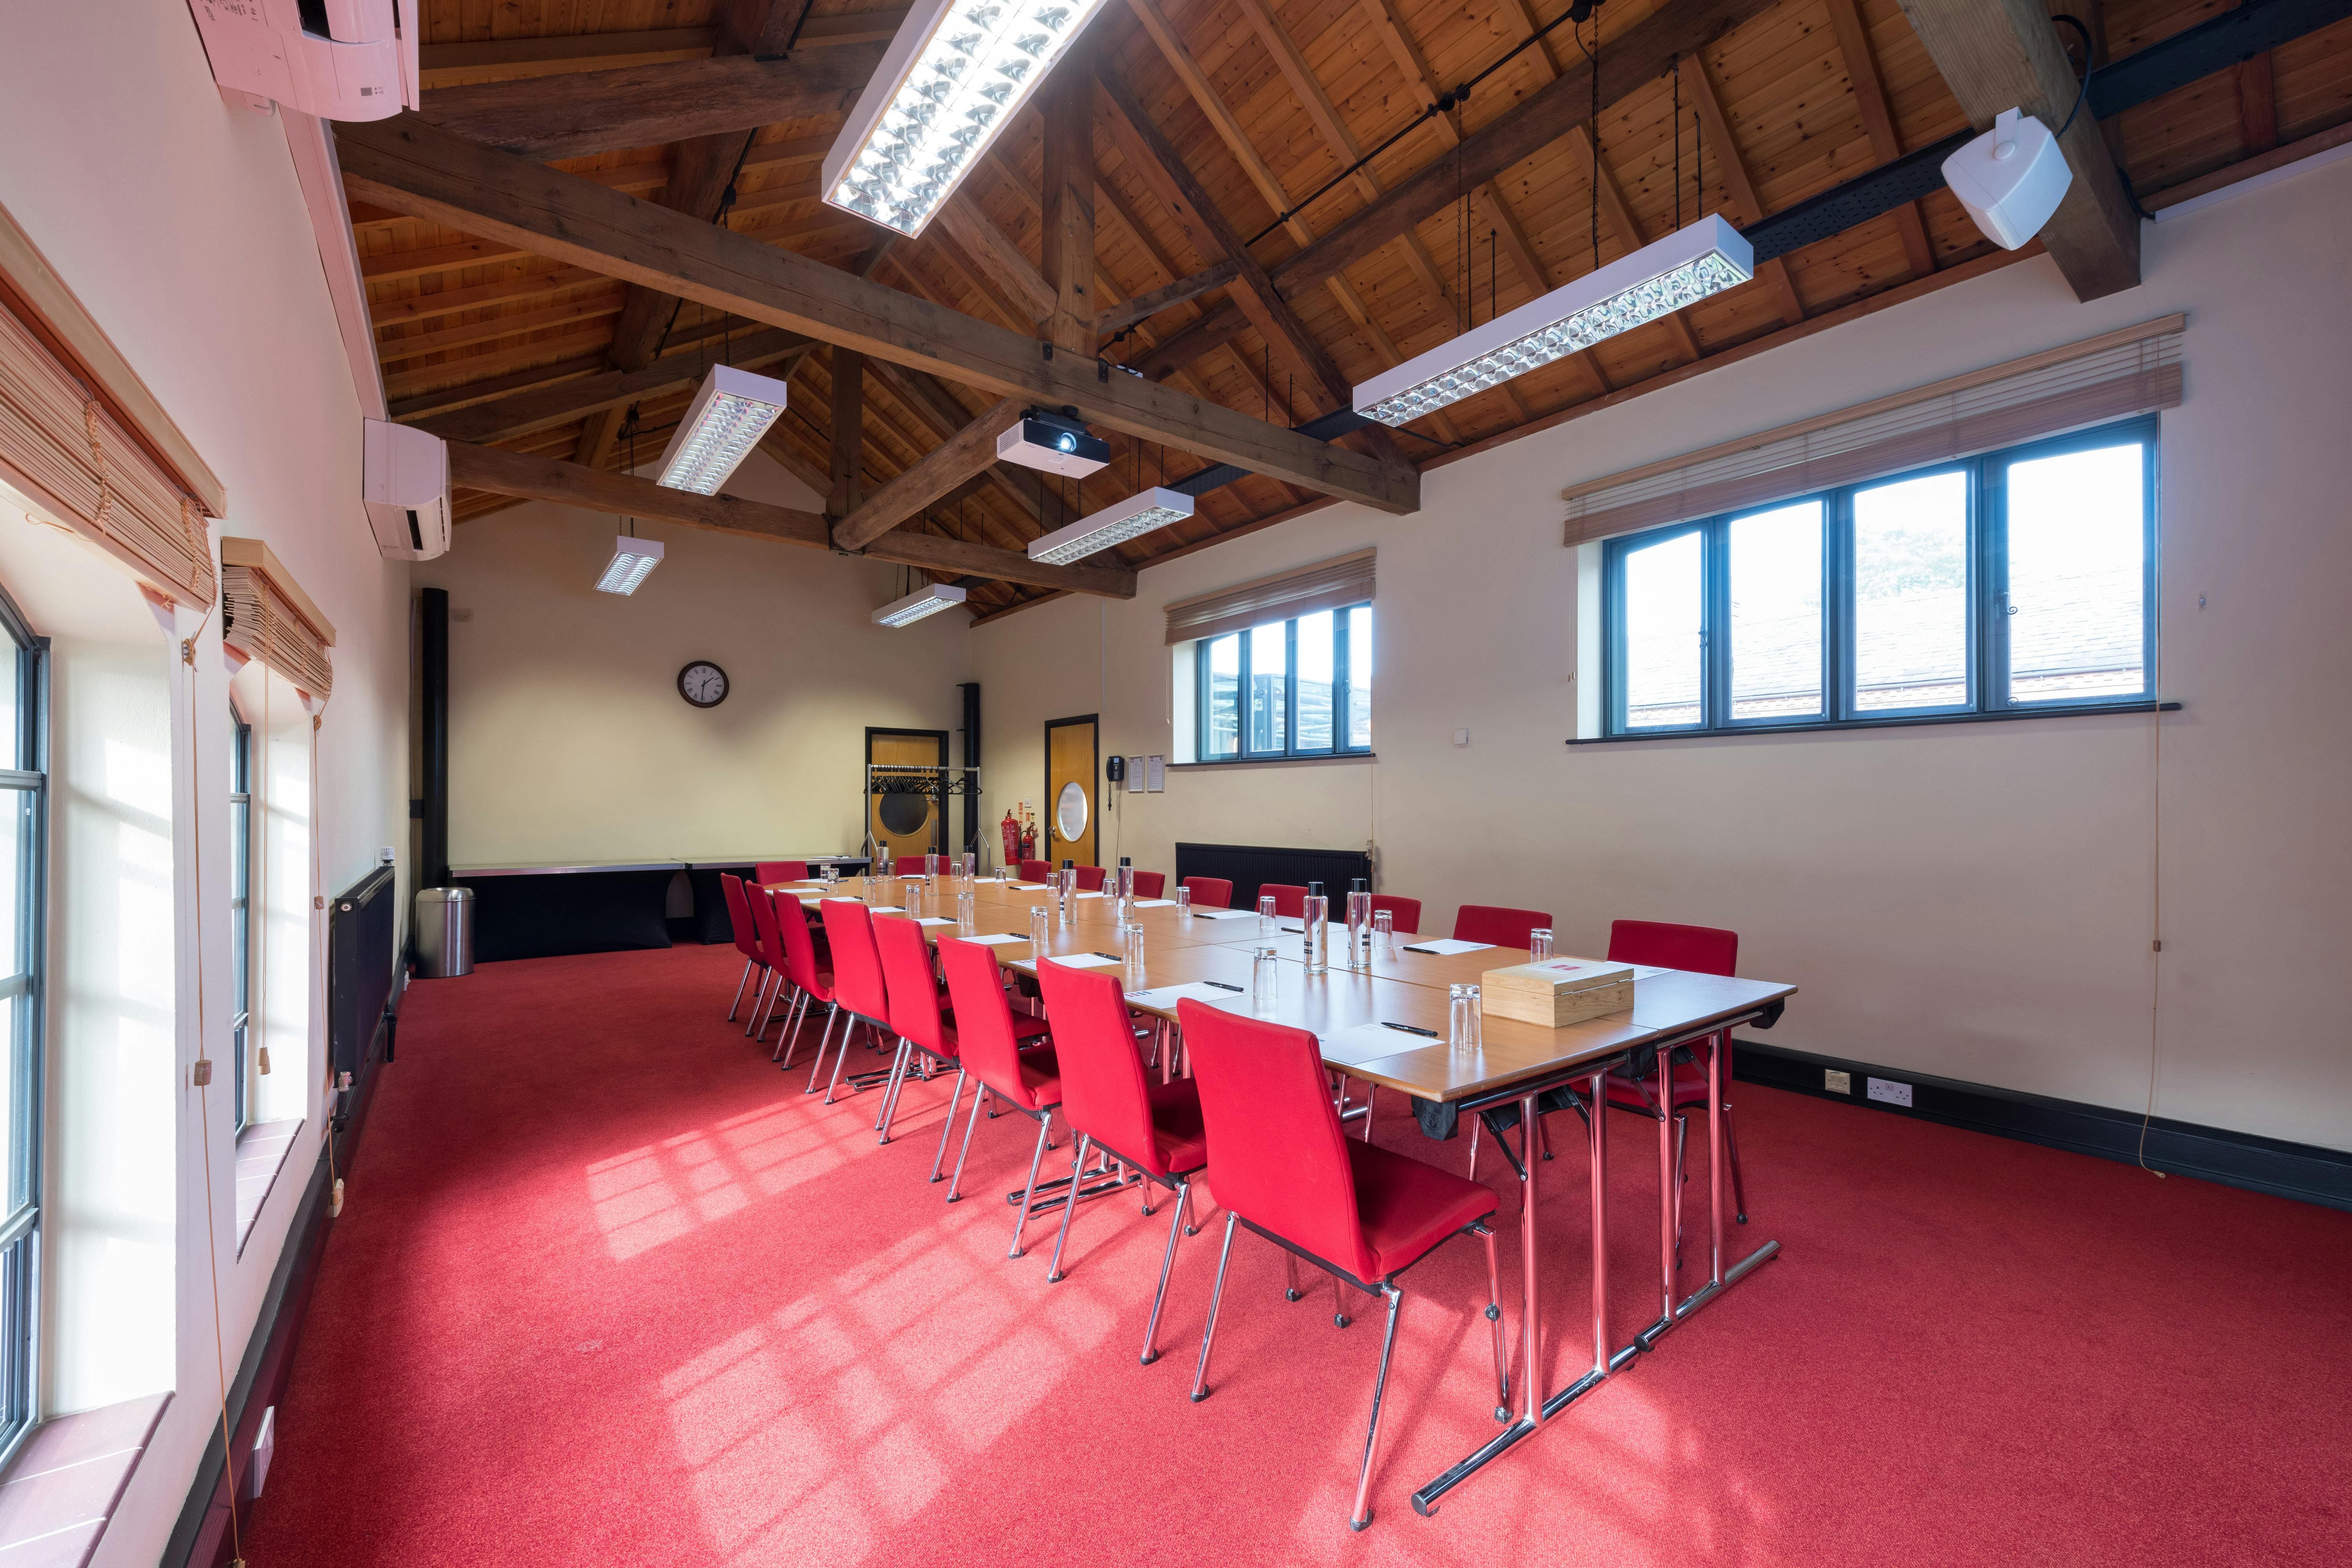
(997, 939)
(934, 920)
(1370, 1042)
(1088, 961)
(1200, 913)
(1153, 903)
(1446, 946)
(1090, 895)
(1643, 970)
(1030, 886)
(1198, 991)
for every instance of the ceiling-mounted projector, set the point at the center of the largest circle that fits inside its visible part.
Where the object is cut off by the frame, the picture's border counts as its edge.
(1057, 443)
(2011, 179)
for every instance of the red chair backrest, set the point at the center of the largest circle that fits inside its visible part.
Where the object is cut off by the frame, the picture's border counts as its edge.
(1103, 1092)
(1211, 892)
(910, 865)
(764, 920)
(1035, 870)
(781, 871)
(1405, 913)
(1289, 900)
(1492, 922)
(1274, 1138)
(1090, 879)
(799, 947)
(856, 966)
(1702, 950)
(914, 995)
(1148, 884)
(983, 1018)
(738, 915)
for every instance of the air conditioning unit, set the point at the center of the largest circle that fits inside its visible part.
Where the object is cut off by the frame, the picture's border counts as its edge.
(405, 481)
(337, 59)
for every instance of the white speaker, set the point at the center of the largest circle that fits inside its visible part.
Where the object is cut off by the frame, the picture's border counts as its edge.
(2011, 179)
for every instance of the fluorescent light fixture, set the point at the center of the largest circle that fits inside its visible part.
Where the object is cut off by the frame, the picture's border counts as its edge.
(633, 561)
(953, 78)
(931, 601)
(1656, 280)
(1058, 445)
(724, 422)
(1140, 513)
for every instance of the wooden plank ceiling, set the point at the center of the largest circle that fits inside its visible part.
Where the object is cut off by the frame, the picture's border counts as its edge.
(1259, 104)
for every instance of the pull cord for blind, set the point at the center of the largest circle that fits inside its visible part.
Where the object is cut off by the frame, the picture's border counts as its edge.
(2155, 862)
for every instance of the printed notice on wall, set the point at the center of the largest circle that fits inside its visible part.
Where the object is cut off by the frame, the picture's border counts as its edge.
(1135, 775)
(1157, 768)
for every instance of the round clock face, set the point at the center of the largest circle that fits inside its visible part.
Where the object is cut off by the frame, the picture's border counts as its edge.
(702, 683)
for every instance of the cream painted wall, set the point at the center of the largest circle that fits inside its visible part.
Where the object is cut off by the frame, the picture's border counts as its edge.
(1968, 900)
(178, 222)
(568, 739)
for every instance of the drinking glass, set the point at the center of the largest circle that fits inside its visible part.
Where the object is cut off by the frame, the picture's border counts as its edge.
(1183, 899)
(1384, 932)
(1463, 1029)
(1265, 982)
(1315, 924)
(1265, 914)
(1539, 944)
(1133, 944)
(1041, 931)
(970, 866)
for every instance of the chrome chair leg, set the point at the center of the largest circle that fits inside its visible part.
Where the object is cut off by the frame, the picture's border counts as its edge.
(1363, 1514)
(832, 1011)
(1731, 1152)
(969, 1122)
(788, 1038)
(1371, 1094)
(898, 1080)
(1167, 1262)
(939, 1160)
(735, 1006)
(1476, 1121)
(1209, 1329)
(1069, 1205)
(841, 1057)
(1029, 1193)
(1494, 1316)
(759, 998)
(1290, 1276)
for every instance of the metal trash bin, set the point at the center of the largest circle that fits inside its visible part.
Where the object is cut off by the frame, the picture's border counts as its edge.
(445, 932)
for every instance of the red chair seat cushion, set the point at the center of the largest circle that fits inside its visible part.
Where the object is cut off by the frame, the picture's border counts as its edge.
(1690, 1088)
(1406, 1206)
(1177, 1127)
(1041, 1078)
(1025, 1027)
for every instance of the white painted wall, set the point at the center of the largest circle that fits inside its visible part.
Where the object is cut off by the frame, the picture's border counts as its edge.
(1968, 900)
(178, 222)
(568, 739)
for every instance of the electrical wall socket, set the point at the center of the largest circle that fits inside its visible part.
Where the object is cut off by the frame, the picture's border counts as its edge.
(1837, 1082)
(1889, 1091)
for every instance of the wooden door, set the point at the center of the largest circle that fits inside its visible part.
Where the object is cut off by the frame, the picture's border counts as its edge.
(904, 822)
(1072, 775)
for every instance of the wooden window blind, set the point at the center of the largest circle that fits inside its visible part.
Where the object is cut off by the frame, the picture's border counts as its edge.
(1330, 585)
(2135, 370)
(266, 616)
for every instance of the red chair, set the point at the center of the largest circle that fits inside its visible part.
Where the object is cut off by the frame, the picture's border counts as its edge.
(1702, 950)
(747, 941)
(763, 904)
(1210, 892)
(1289, 901)
(772, 872)
(810, 983)
(1149, 884)
(1036, 870)
(858, 985)
(1090, 879)
(923, 1029)
(1358, 1210)
(910, 865)
(1404, 912)
(1493, 924)
(1117, 1111)
(992, 1035)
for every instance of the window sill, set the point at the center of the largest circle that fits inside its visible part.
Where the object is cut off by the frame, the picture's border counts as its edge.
(1341, 760)
(1815, 729)
(68, 1480)
(261, 1151)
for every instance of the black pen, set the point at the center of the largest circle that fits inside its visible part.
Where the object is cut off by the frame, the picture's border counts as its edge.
(1222, 986)
(1099, 954)
(1410, 949)
(1408, 1028)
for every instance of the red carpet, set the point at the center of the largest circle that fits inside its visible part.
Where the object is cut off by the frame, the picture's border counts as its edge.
(608, 1289)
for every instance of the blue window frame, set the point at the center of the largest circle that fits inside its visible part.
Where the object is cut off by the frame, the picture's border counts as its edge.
(1300, 688)
(24, 902)
(2018, 582)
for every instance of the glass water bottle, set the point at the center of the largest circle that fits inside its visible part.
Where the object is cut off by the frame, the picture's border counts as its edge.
(1314, 929)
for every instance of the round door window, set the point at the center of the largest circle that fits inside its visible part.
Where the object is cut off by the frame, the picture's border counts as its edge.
(1070, 811)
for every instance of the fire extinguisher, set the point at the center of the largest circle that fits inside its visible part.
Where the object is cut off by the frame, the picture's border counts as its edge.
(1028, 834)
(1011, 828)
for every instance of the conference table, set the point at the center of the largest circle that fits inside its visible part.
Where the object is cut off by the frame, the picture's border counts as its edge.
(1210, 957)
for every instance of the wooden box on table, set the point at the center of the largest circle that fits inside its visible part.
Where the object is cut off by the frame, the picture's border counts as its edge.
(1557, 992)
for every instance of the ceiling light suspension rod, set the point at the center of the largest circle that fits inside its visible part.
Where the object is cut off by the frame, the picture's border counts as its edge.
(1579, 12)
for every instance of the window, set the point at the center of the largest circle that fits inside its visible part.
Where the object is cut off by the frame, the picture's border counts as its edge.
(240, 908)
(2018, 582)
(1299, 688)
(24, 797)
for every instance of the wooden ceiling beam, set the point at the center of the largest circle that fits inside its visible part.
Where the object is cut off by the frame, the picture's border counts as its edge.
(597, 50)
(408, 164)
(954, 461)
(543, 407)
(993, 254)
(1747, 206)
(570, 484)
(393, 266)
(448, 399)
(935, 405)
(848, 400)
(1878, 120)
(1144, 306)
(409, 310)
(2004, 53)
(1066, 230)
(583, 113)
(1648, 50)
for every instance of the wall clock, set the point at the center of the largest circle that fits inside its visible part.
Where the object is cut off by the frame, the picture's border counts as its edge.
(702, 683)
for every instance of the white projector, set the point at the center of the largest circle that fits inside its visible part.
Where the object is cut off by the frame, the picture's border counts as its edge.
(2011, 179)
(1053, 442)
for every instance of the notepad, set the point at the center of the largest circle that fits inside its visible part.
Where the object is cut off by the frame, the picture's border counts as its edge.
(997, 939)
(1090, 895)
(1643, 970)
(1370, 1042)
(1030, 886)
(1153, 903)
(1089, 961)
(934, 920)
(1198, 991)
(1224, 915)
(1446, 947)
